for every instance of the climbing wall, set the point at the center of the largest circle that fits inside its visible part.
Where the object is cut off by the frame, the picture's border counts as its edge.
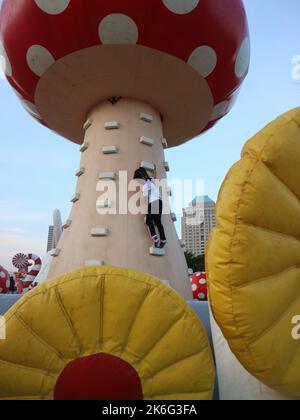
(119, 139)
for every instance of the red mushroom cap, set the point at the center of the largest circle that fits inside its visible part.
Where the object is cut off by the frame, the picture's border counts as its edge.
(199, 286)
(4, 281)
(190, 53)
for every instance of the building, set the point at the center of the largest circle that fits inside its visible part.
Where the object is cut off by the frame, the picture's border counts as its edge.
(55, 231)
(57, 224)
(198, 219)
(51, 241)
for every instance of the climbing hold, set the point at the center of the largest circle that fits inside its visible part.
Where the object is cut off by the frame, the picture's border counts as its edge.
(112, 125)
(67, 224)
(87, 125)
(55, 252)
(107, 176)
(95, 263)
(109, 150)
(98, 232)
(80, 171)
(146, 117)
(84, 147)
(75, 198)
(158, 252)
(146, 141)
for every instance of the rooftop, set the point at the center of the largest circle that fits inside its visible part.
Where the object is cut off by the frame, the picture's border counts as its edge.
(203, 199)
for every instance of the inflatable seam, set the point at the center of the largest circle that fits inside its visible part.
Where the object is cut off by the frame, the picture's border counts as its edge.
(292, 119)
(246, 181)
(31, 369)
(273, 232)
(101, 302)
(190, 356)
(174, 323)
(135, 318)
(255, 163)
(68, 319)
(262, 279)
(282, 182)
(179, 396)
(39, 338)
(271, 327)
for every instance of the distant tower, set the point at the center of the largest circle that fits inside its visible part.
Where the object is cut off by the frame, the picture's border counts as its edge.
(55, 231)
(57, 224)
(50, 241)
(197, 222)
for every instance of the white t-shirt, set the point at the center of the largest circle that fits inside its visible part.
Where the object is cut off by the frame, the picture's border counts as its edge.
(151, 191)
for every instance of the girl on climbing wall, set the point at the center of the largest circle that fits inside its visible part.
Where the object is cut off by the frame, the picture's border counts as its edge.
(155, 208)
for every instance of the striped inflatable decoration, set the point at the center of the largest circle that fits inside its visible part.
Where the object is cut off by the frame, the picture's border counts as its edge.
(25, 281)
(29, 281)
(20, 261)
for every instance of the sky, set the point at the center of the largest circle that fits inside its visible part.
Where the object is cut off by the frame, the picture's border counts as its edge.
(37, 167)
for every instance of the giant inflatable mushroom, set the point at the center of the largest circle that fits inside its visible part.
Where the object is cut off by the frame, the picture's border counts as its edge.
(118, 78)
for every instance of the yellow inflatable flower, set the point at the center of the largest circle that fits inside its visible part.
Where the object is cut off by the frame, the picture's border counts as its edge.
(105, 333)
(254, 255)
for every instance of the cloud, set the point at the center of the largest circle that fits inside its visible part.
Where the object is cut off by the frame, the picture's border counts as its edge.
(22, 217)
(15, 212)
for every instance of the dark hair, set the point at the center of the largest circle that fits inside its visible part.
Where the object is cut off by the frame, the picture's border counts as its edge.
(141, 173)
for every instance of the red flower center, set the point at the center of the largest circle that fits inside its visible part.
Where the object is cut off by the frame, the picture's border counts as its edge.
(98, 377)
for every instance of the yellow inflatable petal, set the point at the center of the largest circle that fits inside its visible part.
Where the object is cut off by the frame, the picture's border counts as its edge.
(253, 255)
(105, 310)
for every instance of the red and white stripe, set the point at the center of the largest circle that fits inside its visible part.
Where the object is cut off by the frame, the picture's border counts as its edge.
(29, 281)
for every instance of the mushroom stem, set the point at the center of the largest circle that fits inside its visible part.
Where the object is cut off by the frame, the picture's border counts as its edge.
(119, 140)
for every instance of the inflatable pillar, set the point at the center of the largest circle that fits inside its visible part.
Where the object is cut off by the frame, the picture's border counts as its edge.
(253, 256)
(235, 382)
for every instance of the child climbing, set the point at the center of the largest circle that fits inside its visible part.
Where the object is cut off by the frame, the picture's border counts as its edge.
(155, 208)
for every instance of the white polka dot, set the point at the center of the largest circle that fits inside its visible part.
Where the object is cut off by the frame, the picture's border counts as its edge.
(31, 108)
(194, 287)
(219, 110)
(181, 7)
(202, 281)
(2, 275)
(5, 66)
(39, 59)
(243, 58)
(203, 59)
(118, 29)
(53, 7)
(201, 296)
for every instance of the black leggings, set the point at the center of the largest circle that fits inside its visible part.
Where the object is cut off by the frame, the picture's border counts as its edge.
(154, 218)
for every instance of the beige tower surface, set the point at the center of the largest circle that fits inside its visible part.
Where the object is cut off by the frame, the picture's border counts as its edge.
(123, 238)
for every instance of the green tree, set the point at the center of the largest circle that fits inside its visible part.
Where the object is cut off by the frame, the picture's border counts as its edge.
(195, 263)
